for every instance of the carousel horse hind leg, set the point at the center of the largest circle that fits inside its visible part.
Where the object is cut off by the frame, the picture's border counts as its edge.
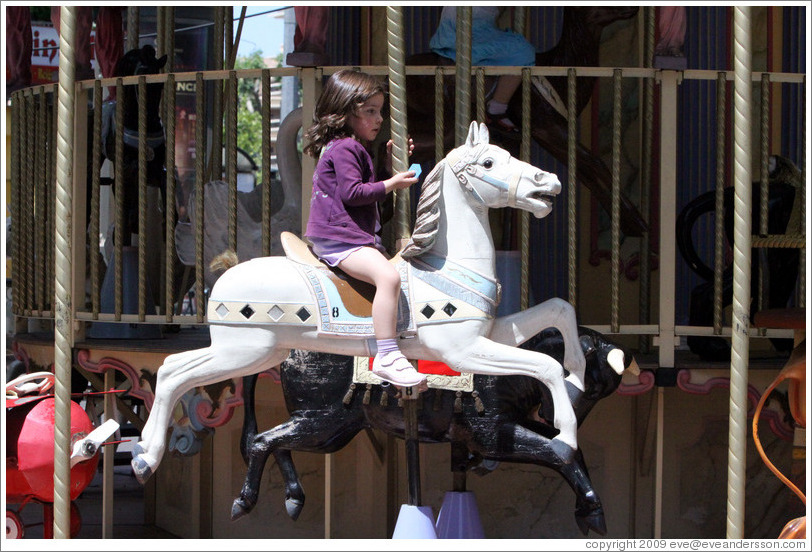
(294, 494)
(234, 352)
(324, 433)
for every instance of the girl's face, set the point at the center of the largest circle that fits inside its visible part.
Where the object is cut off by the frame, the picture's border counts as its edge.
(365, 121)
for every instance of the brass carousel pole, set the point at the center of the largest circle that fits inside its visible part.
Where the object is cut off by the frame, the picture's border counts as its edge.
(63, 312)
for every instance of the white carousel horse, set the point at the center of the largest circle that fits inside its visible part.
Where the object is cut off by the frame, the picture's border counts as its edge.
(261, 309)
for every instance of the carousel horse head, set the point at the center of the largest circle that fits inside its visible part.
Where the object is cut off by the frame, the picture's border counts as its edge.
(490, 177)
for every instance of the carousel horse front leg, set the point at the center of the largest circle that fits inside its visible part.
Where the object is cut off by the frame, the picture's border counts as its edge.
(515, 329)
(489, 358)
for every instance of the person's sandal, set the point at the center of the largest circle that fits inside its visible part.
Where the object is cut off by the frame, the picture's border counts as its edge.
(501, 122)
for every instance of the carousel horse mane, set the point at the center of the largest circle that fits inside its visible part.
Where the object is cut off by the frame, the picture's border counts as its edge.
(427, 220)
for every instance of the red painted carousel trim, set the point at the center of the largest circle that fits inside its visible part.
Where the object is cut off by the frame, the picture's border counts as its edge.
(201, 414)
(646, 383)
(107, 363)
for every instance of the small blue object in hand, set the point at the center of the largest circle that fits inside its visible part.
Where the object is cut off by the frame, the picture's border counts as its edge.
(417, 169)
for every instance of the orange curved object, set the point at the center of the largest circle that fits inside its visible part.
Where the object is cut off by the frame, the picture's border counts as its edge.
(795, 529)
(795, 372)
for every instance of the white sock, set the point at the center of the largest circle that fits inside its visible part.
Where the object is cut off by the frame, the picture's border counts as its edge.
(496, 108)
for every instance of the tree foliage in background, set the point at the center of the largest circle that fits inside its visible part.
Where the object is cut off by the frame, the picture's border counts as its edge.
(249, 109)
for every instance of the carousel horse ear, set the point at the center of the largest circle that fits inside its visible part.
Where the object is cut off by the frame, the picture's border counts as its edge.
(484, 135)
(162, 61)
(473, 137)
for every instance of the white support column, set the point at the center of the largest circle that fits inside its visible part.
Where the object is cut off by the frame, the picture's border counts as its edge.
(742, 243)
(668, 199)
(63, 312)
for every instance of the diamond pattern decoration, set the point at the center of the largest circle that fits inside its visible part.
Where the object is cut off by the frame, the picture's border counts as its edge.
(428, 311)
(247, 311)
(303, 314)
(221, 310)
(276, 313)
(449, 309)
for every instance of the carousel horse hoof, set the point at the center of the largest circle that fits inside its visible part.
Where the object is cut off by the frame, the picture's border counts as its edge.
(294, 507)
(239, 509)
(562, 450)
(594, 520)
(141, 469)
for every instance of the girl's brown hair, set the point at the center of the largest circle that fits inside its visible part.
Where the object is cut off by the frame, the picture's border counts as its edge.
(344, 92)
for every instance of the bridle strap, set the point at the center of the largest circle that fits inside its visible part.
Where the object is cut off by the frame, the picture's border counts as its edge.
(460, 164)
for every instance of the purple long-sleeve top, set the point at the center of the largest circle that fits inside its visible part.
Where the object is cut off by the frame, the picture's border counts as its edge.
(344, 202)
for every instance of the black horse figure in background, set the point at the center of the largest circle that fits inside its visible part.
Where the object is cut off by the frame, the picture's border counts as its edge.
(781, 266)
(509, 418)
(578, 46)
(140, 61)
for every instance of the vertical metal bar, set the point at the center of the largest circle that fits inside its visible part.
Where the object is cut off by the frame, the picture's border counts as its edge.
(742, 241)
(310, 77)
(95, 290)
(39, 194)
(616, 132)
(719, 218)
(52, 153)
(439, 115)
(524, 216)
(231, 150)
(108, 466)
(216, 160)
(480, 94)
(572, 185)
(16, 199)
(200, 153)
(169, 266)
(765, 183)
(160, 35)
(63, 316)
(133, 24)
(120, 234)
(142, 198)
(170, 39)
(266, 162)
(644, 294)
(28, 227)
(462, 104)
(397, 106)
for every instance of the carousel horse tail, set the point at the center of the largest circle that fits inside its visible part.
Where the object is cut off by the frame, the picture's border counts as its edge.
(224, 261)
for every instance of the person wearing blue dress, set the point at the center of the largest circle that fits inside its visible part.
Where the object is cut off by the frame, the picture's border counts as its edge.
(490, 45)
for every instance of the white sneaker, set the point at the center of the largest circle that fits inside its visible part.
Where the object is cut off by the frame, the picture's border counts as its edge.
(396, 369)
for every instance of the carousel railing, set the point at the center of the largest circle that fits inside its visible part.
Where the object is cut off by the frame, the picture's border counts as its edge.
(33, 174)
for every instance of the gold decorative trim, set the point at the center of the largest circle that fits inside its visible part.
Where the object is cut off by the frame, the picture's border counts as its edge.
(464, 382)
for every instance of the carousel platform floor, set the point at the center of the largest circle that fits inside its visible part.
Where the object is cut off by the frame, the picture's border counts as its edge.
(128, 511)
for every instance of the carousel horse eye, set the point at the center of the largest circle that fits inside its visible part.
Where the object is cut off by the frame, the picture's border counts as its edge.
(488, 163)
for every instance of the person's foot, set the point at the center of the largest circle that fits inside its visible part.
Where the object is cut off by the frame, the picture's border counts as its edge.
(396, 369)
(500, 122)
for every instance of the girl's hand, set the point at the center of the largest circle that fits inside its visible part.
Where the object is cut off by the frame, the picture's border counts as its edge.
(388, 160)
(400, 181)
